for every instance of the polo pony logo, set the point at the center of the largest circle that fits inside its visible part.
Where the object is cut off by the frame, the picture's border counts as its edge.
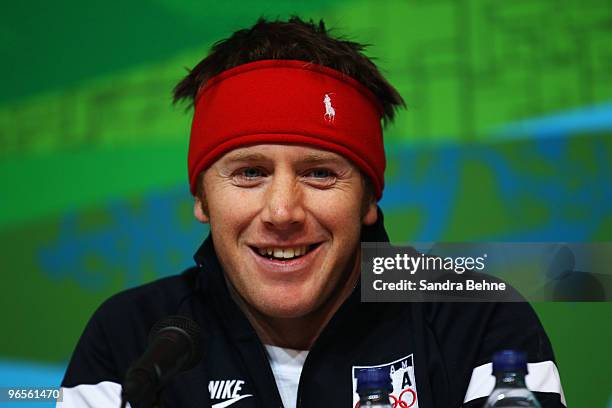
(330, 112)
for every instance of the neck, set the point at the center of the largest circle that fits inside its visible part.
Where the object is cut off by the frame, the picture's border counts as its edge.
(299, 333)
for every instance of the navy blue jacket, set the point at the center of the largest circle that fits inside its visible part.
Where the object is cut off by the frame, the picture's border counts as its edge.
(439, 353)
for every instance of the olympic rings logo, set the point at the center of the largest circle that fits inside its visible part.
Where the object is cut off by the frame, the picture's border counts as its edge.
(406, 399)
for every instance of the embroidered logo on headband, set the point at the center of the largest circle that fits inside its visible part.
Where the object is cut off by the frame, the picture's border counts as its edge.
(330, 112)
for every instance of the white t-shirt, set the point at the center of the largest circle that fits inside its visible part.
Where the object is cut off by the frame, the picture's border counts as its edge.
(287, 367)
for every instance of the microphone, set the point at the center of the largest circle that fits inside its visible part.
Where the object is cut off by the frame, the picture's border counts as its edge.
(175, 345)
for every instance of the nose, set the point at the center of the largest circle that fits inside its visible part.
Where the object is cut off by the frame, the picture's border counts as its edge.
(283, 208)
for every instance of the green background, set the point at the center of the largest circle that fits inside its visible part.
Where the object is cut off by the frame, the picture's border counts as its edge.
(506, 138)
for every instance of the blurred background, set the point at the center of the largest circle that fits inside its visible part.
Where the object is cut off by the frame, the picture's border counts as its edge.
(507, 137)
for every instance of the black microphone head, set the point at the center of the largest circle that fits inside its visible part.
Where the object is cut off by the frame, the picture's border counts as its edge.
(190, 329)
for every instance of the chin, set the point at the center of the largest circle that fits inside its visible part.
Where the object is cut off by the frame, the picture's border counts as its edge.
(291, 309)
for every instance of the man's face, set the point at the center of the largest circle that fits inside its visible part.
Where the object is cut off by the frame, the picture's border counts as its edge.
(286, 222)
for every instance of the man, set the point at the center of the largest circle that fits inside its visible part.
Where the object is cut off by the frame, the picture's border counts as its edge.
(286, 164)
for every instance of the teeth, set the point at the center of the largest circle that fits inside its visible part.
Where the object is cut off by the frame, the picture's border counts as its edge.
(283, 253)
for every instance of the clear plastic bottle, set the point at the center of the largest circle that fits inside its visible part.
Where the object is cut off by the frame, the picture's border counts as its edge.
(509, 369)
(373, 387)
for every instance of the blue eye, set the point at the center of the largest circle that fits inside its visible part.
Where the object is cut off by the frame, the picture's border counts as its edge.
(321, 173)
(320, 178)
(251, 172)
(249, 176)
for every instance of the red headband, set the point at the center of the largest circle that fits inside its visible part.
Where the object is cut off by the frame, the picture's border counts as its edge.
(287, 101)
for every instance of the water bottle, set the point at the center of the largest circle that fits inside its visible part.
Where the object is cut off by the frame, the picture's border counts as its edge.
(509, 369)
(373, 387)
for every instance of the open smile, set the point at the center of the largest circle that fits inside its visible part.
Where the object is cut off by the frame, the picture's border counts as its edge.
(284, 254)
(287, 259)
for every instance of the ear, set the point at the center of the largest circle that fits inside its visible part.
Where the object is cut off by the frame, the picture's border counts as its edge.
(200, 210)
(371, 213)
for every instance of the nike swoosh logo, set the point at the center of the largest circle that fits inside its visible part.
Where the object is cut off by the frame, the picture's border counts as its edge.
(230, 401)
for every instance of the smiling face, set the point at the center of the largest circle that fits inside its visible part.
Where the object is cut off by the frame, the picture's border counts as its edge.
(286, 223)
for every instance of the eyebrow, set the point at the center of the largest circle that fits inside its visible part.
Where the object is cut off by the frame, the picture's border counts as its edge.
(245, 156)
(314, 158)
(311, 158)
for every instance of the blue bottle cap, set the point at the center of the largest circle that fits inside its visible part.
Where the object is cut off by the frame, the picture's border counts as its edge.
(510, 360)
(374, 378)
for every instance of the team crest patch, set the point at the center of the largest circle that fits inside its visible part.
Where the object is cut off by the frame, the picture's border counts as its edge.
(404, 393)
